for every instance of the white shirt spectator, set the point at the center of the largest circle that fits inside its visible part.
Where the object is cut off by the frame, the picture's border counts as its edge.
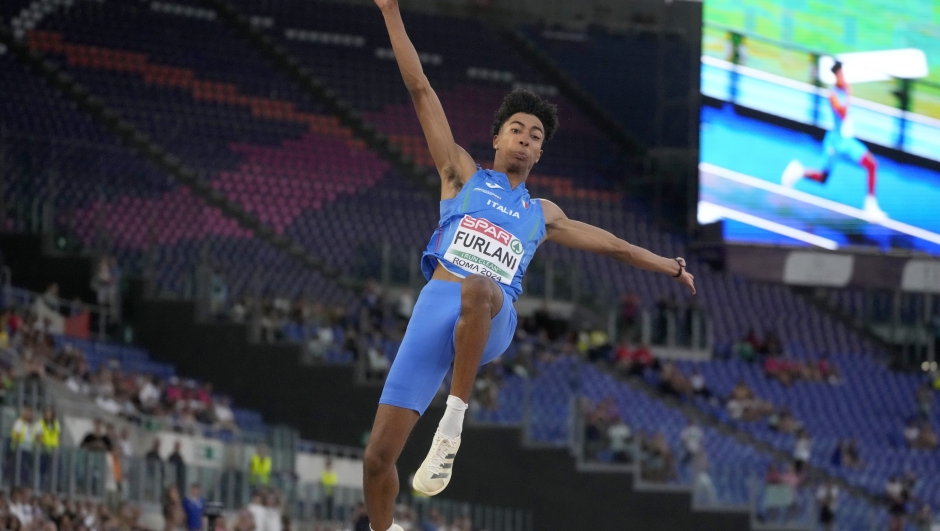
(827, 495)
(273, 516)
(618, 433)
(108, 404)
(377, 359)
(259, 513)
(911, 433)
(736, 409)
(697, 381)
(23, 512)
(894, 489)
(692, 439)
(26, 433)
(802, 449)
(224, 413)
(149, 395)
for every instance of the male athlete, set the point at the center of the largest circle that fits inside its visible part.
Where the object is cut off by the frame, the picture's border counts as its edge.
(840, 142)
(488, 232)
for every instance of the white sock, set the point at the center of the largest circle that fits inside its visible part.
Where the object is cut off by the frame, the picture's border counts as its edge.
(452, 422)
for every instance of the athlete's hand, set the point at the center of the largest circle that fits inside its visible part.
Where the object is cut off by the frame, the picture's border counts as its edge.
(385, 3)
(686, 278)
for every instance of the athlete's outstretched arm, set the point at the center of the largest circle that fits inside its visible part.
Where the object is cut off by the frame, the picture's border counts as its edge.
(454, 165)
(578, 235)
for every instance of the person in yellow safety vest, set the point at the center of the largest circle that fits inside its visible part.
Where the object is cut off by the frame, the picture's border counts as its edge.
(260, 473)
(24, 432)
(50, 431)
(328, 481)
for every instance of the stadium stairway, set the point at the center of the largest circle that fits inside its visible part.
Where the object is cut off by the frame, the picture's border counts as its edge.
(324, 404)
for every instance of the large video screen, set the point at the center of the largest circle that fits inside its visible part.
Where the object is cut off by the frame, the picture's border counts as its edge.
(821, 123)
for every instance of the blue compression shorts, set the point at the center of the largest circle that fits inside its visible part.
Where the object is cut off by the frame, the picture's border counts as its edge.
(427, 351)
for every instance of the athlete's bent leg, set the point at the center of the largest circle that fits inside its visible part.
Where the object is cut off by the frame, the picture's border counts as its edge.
(380, 477)
(480, 300)
(483, 306)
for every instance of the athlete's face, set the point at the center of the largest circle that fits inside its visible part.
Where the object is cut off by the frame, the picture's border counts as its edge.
(840, 78)
(519, 143)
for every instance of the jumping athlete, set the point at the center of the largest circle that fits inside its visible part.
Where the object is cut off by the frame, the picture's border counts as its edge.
(474, 263)
(840, 142)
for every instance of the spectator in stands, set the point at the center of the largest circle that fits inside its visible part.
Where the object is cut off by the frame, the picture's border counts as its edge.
(328, 481)
(360, 518)
(24, 437)
(218, 294)
(673, 382)
(620, 440)
(114, 478)
(897, 503)
(749, 347)
(802, 450)
(434, 521)
(487, 385)
(826, 497)
(912, 434)
(273, 512)
(106, 282)
(177, 467)
(922, 519)
(744, 405)
(692, 437)
(172, 505)
(783, 421)
(224, 417)
(258, 511)
(49, 432)
(379, 364)
(245, 521)
(4, 329)
(927, 438)
(780, 369)
(659, 464)
(699, 386)
(259, 472)
(924, 396)
(194, 506)
(96, 440)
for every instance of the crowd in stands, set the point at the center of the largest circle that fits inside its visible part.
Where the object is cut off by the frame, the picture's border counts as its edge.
(25, 510)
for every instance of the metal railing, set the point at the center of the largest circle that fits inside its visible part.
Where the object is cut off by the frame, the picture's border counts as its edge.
(57, 310)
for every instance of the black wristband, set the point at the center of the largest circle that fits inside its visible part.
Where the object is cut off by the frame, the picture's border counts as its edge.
(681, 269)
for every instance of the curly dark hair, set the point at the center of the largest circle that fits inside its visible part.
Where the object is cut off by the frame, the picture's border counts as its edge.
(836, 67)
(522, 100)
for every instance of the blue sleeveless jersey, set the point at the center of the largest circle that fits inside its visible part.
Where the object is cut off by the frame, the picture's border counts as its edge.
(488, 229)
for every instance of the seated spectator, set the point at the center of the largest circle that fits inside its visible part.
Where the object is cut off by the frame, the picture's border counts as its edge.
(640, 360)
(912, 434)
(379, 364)
(749, 347)
(826, 496)
(927, 438)
(673, 382)
(783, 421)
(802, 451)
(897, 503)
(850, 455)
(699, 387)
(744, 405)
(619, 439)
(659, 464)
(97, 440)
(772, 345)
(924, 397)
(777, 368)
(487, 385)
(224, 417)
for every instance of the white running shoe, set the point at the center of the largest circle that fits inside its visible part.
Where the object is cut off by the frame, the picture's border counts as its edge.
(792, 174)
(873, 212)
(438, 466)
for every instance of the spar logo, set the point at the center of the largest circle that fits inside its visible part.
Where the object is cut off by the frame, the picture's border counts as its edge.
(516, 246)
(486, 228)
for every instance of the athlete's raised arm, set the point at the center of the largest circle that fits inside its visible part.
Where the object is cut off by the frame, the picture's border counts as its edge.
(454, 165)
(578, 235)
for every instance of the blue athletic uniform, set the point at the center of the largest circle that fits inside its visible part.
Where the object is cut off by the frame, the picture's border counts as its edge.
(841, 141)
(489, 229)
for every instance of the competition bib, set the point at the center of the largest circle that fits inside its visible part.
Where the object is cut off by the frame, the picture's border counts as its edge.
(481, 247)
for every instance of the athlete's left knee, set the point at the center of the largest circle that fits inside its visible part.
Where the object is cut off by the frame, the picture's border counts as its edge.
(477, 294)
